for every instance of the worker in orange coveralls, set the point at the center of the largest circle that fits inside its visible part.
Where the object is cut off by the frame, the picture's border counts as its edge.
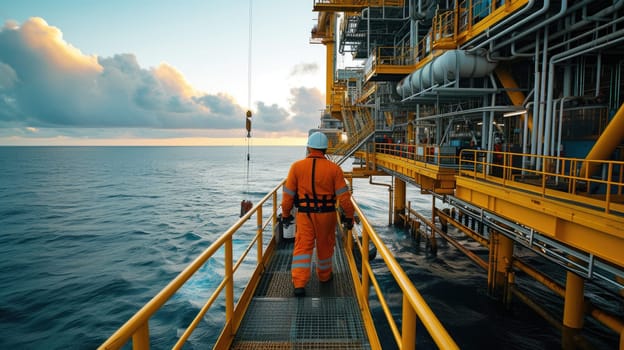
(313, 185)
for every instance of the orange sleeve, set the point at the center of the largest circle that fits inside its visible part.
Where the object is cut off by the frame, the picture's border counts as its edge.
(289, 191)
(343, 193)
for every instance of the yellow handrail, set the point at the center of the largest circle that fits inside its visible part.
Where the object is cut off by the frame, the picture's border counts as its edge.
(414, 306)
(422, 152)
(137, 326)
(362, 3)
(549, 175)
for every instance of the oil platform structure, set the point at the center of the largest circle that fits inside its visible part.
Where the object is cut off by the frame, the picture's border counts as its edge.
(510, 114)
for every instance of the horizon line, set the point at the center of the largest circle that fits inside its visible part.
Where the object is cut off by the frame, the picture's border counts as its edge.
(151, 142)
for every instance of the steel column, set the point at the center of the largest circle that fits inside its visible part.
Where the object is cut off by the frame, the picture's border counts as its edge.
(399, 200)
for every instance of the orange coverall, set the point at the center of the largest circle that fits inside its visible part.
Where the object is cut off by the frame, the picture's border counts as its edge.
(316, 219)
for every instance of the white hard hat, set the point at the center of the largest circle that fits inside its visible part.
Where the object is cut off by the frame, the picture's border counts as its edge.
(317, 140)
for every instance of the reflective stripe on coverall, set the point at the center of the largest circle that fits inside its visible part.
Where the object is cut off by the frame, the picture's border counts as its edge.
(314, 226)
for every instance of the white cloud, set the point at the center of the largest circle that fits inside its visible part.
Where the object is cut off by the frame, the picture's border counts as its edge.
(46, 82)
(304, 68)
(8, 77)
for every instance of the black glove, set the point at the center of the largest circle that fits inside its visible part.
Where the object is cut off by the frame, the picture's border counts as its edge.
(287, 221)
(347, 223)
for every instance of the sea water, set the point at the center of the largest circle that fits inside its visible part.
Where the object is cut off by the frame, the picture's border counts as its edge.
(89, 234)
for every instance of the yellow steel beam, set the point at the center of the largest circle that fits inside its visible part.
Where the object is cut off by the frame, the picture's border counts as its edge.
(399, 198)
(512, 89)
(589, 230)
(329, 60)
(509, 83)
(353, 5)
(391, 69)
(429, 176)
(489, 21)
(500, 255)
(363, 173)
(322, 31)
(574, 302)
(610, 138)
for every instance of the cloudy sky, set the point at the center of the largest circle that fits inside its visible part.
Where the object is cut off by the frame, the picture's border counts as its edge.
(157, 72)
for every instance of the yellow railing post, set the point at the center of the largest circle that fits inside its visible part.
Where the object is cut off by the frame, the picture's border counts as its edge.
(140, 338)
(621, 180)
(229, 286)
(608, 187)
(259, 233)
(408, 328)
(274, 219)
(573, 173)
(365, 277)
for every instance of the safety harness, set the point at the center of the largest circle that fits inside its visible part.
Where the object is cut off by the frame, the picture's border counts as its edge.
(324, 204)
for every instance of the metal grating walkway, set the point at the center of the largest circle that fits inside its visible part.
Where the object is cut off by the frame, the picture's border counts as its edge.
(328, 317)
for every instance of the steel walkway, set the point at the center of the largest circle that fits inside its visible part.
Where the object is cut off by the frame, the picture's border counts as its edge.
(328, 317)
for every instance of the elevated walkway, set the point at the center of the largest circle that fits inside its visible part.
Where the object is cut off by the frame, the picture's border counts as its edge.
(352, 5)
(328, 317)
(266, 315)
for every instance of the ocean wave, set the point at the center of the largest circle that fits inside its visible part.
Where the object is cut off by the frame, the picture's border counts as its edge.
(125, 195)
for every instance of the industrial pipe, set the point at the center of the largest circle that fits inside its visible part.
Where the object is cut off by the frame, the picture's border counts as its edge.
(451, 65)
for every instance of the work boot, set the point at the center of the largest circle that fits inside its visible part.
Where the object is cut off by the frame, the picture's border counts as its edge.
(299, 292)
(331, 277)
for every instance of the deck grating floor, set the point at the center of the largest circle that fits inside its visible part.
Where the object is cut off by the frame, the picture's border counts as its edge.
(328, 317)
(302, 320)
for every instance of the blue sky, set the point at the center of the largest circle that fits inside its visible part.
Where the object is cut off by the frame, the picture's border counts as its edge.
(156, 72)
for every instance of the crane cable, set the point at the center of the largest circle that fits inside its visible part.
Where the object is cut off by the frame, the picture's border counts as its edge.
(246, 204)
(248, 119)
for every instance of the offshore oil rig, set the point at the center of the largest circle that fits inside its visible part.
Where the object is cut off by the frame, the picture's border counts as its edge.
(510, 114)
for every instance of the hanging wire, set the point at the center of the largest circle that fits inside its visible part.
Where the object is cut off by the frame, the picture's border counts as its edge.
(249, 58)
(245, 203)
(248, 116)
